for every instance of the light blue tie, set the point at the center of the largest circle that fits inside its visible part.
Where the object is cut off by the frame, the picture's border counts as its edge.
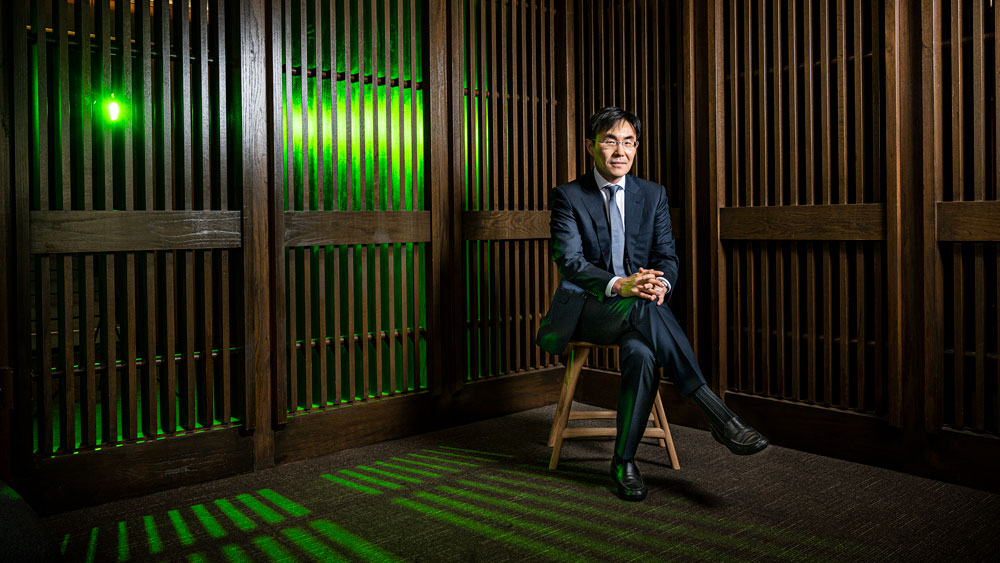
(617, 232)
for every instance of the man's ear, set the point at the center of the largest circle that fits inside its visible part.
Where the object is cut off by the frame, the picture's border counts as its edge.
(589, 143)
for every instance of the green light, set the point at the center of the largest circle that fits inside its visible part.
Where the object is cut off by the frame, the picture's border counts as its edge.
(260, 509)
(152, 535)
(114, 111)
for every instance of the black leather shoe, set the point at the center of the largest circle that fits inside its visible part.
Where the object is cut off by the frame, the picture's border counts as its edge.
(627, 479)
(738, 437)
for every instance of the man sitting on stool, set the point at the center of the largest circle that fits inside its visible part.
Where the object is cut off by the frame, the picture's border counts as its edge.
(612, 242)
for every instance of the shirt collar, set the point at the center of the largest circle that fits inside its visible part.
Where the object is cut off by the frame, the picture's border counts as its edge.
(602, 182)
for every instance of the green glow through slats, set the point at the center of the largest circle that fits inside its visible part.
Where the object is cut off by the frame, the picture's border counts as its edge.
(441, 459)
(379, 482)
(354, 543)
(537, 548)
(92, 546)
(152, 535)
(431, 465)
(260, 508)
(463, 456)
(234, 514)
(284, 503)
(273, 549)
(602, 549)
(410, 469)
(208, 521)
(122, 541)
(351, 484)
(390, 474)
(235, 554)
(182, 530)
(311, 545)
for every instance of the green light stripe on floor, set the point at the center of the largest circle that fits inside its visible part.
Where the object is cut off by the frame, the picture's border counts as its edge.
(283, 503)
(463, 456)
(390, 474)
(274, 550)
(409, 469)
(425, 464)
(123, 554)
(443, 460)
(476, 451)
(92, 547)
(152, 535)
(197, 558)
(235, 554)
(180, 526)
(311, 545)
(535, 547)
(351, 484)
(234, 514)
(262, 510)
(354, 543)
(601, 549)
(208, 521)
(379, 482)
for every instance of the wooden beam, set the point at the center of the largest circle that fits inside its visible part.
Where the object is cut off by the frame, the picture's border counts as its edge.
(813, 222)
(304, 228)
(122, 231)
(968, 221)
(505, 225)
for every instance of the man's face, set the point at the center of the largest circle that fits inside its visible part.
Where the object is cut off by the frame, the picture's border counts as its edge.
(612, 159)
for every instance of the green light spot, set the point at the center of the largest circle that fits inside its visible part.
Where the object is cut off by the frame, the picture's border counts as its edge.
(92, 548)
(409, 469)
(289, 506)
(180, 526)
(122, 541)
(311, 545)
(235, 554)
(261, 509)
(238, 518)
(431, 465)
(272, 549)
(390, 474)
(197, 558)
(152, 535)
(65, 542)
(352, 542)
(208, 521)
(352, 485)
(379, 482)
(445, 460)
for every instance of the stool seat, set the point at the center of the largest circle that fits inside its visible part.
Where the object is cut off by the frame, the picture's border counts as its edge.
(576, 355)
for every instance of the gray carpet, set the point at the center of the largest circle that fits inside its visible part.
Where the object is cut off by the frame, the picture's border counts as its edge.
(482, 492)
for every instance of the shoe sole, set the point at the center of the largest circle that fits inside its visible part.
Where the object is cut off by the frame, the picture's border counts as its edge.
(749, 449)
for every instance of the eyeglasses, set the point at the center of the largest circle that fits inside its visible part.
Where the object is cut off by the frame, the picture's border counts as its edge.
(611, 144)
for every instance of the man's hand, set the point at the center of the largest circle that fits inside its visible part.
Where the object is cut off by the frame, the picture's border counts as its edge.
(642, 284)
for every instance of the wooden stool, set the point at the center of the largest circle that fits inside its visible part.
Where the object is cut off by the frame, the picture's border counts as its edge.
(576, 354)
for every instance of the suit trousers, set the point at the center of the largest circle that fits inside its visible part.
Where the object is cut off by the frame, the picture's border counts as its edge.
(648, 336)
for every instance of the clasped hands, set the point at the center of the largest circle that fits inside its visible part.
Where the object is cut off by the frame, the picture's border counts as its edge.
(642, 284)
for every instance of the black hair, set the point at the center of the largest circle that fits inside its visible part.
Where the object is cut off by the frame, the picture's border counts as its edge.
(606, 118)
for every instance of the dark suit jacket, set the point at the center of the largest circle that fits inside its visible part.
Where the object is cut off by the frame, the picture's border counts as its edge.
(581, 248)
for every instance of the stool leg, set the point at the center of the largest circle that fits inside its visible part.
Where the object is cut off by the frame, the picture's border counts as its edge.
(577, 359)
(659, 418)
(562, 404)
(662, 415)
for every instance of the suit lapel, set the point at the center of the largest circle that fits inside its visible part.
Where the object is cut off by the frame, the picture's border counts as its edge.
(594, 202)
(634, 205)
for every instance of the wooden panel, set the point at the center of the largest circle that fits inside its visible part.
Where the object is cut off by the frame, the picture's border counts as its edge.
(814, 222)
(505, 225)
(118, 231)
(969, 221)
(359, 227)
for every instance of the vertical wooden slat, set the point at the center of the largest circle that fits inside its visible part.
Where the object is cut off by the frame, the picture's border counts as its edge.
(334, 196)
(389, 249)
(751, 162)
(306, 151)
(416, 248)
(826, 187)
(957, 193)
(187, 385)
(809, 134)
(206, 385)
(780, 159)
(766, 139)
(224, 370)
(166, 272)
(736, 124)
(795, 179)
(376, 189)
(860, 189)
(843, 178)
(43, 271)
(979, 144)
(717, 112)
(363, 204)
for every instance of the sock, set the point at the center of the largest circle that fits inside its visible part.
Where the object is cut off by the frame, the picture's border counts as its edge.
(711, 405)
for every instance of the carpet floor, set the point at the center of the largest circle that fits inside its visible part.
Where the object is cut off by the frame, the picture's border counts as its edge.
(482, 492)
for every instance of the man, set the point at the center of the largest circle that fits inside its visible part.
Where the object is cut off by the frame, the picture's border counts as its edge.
(612, 242)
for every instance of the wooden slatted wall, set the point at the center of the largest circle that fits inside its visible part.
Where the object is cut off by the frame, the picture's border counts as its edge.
(629, 54)
(965, 395)
(512, 142)
(802, 192)
(352, 295)
(134, 332)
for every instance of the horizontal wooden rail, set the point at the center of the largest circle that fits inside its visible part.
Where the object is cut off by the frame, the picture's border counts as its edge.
(864, 221)
(525, 225)
(968, 221)
(317, 228)
(123, 231)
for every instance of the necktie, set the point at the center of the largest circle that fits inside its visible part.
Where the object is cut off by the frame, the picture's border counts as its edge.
(617, 232)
